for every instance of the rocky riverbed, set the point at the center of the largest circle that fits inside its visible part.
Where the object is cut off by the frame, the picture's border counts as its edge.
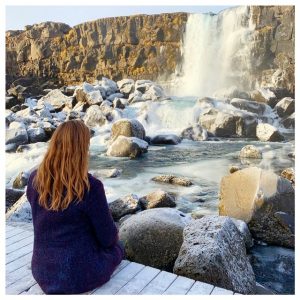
(171, 164)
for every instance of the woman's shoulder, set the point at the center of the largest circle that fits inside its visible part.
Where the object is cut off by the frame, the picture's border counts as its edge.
(94, 182)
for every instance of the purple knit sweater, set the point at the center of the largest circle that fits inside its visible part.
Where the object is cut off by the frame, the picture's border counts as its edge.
(75, 250)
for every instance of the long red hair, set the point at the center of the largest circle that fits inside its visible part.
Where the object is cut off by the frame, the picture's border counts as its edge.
(62, 177)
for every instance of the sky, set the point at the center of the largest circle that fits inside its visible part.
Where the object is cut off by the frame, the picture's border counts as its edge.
(19, 16)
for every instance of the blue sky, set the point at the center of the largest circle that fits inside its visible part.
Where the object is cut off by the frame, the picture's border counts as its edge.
(19, 16)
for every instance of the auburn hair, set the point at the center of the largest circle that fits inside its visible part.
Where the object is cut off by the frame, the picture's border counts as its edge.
(62, 176)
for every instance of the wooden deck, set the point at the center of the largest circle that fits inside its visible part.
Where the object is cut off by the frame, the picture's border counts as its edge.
(129, 278)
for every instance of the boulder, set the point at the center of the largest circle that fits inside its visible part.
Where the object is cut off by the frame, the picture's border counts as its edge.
(11, 197)
(244, 231)
(157, 199)
(289, 122)
(94, 116)
(16, 134)
(57, 99)
(117, 103)
(268, 133)
(21, 180)
(128, 128)
(285, 107)
(251, 106)
(289, 174)
(195, 133)
(112, 97)
(136, 96)
(214, 252)
(124, 146)
(264, 95)
(88, 94)
(250, 151)
(124, 206)
(153, 237)
(109, 86)
(172, 179)
(166, 139)
(36, 134)
(264, 200)
(20, 211)
(154, 93)
(126, 86)
(108, 173)
(11, 101)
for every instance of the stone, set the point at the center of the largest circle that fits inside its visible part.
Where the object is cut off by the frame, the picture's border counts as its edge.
(16, 134)
(251, 106)
(285, 107)
(57, 99)
(244, 231)
(12, 101)
(127, 128)
(154, 93)
(11, 197)
(109, 85)
(153, 237)
(289, 174)
(124, 206)
(157, 199)
(289, 122)
(250, 151)
(136, 96)
(21, 180)
(268, 133)
(172, 179)
(87, 93)
(165, 139)
(126, 86)
(36, 134)
(112, 97)
(20, 211)
(213, 251)
(124, 146)
(195, 133)
(233, 169)
(108, 173)
(94, 116)
(117, 103)
(264, 200)
(264, 95)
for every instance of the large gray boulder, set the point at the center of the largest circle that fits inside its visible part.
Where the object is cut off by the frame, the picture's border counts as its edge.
(128, 128)
(153, 237)
(126, 86)
(125, 146)
(264, 95)
(16, 134)
(88, 94)
(251, 106)
(213, 251)
(165, 139)
(268, 133)
(264, 200)
(285, 107)
(94, 116)
(57, 99)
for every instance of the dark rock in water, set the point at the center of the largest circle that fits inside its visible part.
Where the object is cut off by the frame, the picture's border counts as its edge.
(264, 200)
(16, 134)
(154, 236)
(251, 106)
(12, 101)
(11, 197)
(172, 179)
(165, 139)
(37, 134)
(16, 108)
(285, 107)
(195, 133)
(214, 252)
(289, 122)
(124, 206)
(117, 103)
(274, 268)
(157, 199)
(21, 180)
(264, 95)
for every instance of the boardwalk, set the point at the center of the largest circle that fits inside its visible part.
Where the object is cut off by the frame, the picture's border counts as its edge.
(129, 278)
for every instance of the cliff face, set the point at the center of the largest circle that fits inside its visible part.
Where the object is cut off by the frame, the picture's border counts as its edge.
(141, 46)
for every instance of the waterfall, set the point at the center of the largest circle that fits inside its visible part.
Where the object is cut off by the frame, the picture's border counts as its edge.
(216, 52)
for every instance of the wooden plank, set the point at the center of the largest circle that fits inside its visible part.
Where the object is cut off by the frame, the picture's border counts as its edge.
(13, 231)
(221, 291)
(19, 244)
(159, 284)
(139, 281)
(200, 288)
(18, 263)
(119, 280)
(34, 290)
(18, 237)
(18, 253)
(180, 286)
(21, 285)
(16, 275)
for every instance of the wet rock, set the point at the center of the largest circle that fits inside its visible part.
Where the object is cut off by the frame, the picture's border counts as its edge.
(117, 103)
(233, 169)
(157, 199)
(21, 180)
(108, 173)
(36, 134)
(264, 95)
(110, 86)
(57, 99)
(124, 206)
(154, 93)
(268, 133)
(285, 107)
(20, 211)
(195, 133)
(124, 146)
(127, 128)
(16, 134)
(214, 252)
(136, 96)
(88, 94)
(153, 237)
(289, 174)
(289, 122)
(12, 102)
(265, 201)
(251, 106)
(94, 116)
(172, 179)
(126, 86)
(291, 154)
(244, 231)
(11, 197)
(250, 151)
(165, 139)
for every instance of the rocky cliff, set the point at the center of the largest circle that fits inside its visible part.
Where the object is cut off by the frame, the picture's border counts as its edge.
(141, 46)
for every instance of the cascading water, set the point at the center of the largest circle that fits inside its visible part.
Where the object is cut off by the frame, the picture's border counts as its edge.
(216, 52)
